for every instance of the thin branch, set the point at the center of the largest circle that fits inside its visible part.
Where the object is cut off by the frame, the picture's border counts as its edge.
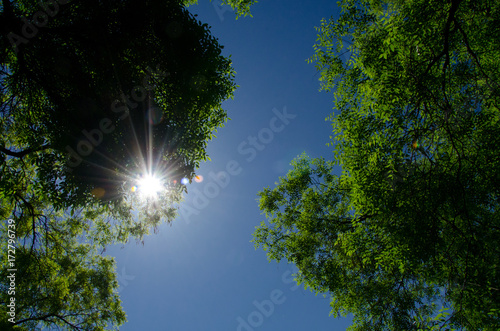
(447, 32)
(22, 154)
(451, 18)
(471, 52)
(65, 321)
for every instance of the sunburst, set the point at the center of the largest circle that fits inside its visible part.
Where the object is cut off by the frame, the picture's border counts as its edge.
(149, 185)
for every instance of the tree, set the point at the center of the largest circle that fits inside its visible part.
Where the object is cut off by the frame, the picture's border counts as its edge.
(407, 236)
(242, 7)
(51, 260)
(59, 281)
(147, 98)
(94, 96)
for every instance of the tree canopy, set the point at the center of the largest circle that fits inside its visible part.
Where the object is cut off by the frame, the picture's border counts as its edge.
(94, 96)
(406, 235)
(147, 98)
(241, 7)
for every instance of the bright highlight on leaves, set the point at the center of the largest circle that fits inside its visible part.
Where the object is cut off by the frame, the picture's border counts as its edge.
(411, 222)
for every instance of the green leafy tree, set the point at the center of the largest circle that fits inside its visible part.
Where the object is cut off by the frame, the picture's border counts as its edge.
(147, 99)
(95, 95)
(60, 282)
(406, 236)
(60, 278)
(242, 7)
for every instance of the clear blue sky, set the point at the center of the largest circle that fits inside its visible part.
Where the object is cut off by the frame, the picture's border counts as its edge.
(203, 273)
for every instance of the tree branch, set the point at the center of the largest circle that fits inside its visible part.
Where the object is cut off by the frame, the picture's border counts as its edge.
(22, 154)
(70, 324)
(451, 18)
(45, 317)
(473, 54)
(447, 32)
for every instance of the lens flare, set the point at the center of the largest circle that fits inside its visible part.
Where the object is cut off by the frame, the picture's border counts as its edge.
(184, 181)
(155, 115)
(98, 192)
(198, 179)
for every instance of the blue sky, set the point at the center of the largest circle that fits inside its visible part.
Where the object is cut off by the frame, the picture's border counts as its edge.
(202, 272)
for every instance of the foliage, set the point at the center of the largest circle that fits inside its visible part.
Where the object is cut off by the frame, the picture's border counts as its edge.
(147, 100)
(93, 96)
(411, 225)
(61, 278)
(61, 281)
(242, 7)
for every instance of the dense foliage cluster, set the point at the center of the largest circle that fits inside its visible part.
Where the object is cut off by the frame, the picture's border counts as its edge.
(407, 236)
(93, 95)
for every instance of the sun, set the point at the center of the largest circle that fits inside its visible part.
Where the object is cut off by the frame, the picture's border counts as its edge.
(149, 185)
